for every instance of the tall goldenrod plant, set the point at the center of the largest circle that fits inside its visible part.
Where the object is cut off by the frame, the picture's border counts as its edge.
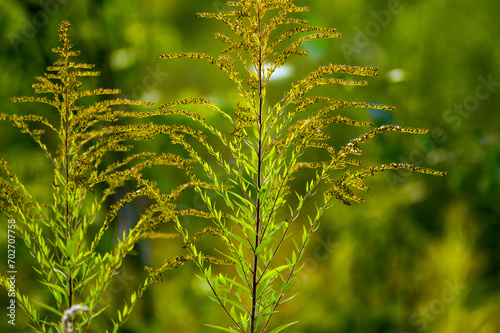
(65, 235)
(269, 143)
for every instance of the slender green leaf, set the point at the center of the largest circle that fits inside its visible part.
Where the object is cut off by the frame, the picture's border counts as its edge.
(221, 328)
(282, 327)
(48, 307)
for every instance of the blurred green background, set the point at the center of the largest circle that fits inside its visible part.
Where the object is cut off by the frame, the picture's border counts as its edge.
(421, 255)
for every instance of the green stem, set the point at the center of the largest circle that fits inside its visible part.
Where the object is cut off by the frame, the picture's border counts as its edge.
(67, 188)
(255, 280)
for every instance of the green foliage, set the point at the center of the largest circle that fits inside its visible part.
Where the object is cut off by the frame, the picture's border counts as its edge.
(376, 267)
(269, 143)
(75, 271)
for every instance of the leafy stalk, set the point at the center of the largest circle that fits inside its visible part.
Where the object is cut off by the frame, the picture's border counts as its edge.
(57, 231)
(271, 141)
(277, 138)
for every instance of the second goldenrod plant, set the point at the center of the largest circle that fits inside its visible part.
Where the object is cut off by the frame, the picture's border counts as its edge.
(65, 231)
(269, 143)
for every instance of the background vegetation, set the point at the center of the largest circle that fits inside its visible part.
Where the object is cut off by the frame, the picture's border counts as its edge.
(421, 255)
